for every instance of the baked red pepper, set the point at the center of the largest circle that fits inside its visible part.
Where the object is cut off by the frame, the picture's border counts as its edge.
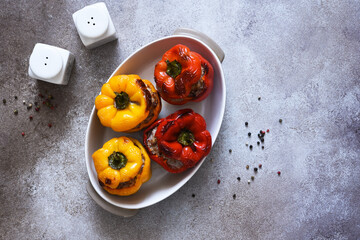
(182, 76)
(179, 141)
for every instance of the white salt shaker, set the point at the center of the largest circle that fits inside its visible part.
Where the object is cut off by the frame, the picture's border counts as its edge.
(50, 64)
(94, 25)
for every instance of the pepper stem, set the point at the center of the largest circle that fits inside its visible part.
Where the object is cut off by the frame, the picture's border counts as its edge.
(117, 160)
(173, 68)
(186, 138)
(122, 100)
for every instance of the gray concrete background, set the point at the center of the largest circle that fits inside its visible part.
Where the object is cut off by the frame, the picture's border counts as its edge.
(301, 57)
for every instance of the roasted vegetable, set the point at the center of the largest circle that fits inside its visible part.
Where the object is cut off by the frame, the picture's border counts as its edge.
(182, 76)
(127, 103)
(178, 141)
(122, 166)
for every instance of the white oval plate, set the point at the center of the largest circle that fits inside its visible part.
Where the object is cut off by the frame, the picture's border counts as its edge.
(162, 184)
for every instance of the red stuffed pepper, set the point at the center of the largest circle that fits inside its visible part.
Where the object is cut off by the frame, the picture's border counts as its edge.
(182, 76)
(179, 141)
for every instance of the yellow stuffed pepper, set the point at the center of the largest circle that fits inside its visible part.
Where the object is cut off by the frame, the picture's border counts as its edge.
(127, 103)
(122, 166)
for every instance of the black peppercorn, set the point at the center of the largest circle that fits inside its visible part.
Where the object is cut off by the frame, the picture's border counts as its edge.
(280, 120)
(250, 147)
(234, 196)
(4, 101)
(255, 169)
(258, 143)
(249, 134)
(246, 124)
(193, 195)
(238, 178)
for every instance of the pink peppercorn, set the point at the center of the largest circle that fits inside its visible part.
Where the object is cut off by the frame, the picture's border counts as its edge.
(218, 181)
(279, 173)
(31, 117)
(23, 134)
(268, 130)
(50, 125)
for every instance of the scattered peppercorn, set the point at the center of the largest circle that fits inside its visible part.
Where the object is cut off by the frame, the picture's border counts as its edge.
(246, 124)
(23, 134)
(279, 173)
(248, 181)
(250, 147)
(218, 181)
(258, 143)
(255, 169)
(16, 112)
(259, 98)
(260, 165)
(209, 207)
(246, 144)
(15, 97)
(280, 120)
(24, 102)
(4, 101)
(49, 125)
(31, 117)
(262, 147)
(37, 109)
(234, 196)
(238, 178)
(247, 166)
(252, 178)
(268, 130)
(262, 140)
(193, 195)
(249, 134)
(40, 95)
(230, 151)
(29, 106)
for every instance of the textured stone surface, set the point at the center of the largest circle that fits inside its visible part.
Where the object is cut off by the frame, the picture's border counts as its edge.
(302, 58)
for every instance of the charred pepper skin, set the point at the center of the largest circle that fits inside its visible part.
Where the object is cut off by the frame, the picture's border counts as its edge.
(207, 78)
(178, 71)
(126, 102)
(181, 136)
(136, 166)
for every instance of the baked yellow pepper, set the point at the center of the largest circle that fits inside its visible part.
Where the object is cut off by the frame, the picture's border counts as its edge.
(122, 166)
(127, 103)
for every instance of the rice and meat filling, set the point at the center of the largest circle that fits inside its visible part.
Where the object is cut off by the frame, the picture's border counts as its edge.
(154, 149)
(198, 87)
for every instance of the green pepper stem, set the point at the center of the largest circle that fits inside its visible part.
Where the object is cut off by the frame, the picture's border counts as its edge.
(186, 138)
(117, 160)
(173, 68)
(122, 100)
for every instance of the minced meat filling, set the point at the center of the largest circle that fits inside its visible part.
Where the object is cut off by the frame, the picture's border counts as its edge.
(154, 149)
(198, 87)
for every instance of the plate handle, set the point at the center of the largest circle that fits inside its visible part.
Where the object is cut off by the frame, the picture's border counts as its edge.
(107, 206)
(202, 37)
